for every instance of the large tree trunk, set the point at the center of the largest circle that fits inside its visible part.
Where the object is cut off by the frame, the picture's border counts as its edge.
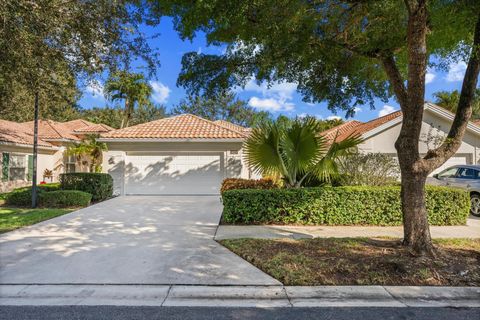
(415, 223)
(415, 168)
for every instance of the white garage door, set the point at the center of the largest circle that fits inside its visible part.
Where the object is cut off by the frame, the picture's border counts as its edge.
(183, 173)
(455, 160)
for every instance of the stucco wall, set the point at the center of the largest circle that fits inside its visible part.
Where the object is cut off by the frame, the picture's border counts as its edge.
(434, 128)
(114, 159)
(46, 160)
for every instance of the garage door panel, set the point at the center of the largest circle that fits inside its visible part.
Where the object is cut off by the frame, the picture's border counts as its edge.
(173, 174)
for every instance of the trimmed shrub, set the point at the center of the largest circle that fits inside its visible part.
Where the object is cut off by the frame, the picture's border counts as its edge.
(235, 184)
(64, 199)
(353, 205)
(22, 197)
(99, 185)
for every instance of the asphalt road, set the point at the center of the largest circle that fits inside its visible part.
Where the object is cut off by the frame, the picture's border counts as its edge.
(186, 313)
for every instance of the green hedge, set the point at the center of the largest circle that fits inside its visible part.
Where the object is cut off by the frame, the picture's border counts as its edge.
(22, 197)
(64, 199)
(339, 206)
(99, 185)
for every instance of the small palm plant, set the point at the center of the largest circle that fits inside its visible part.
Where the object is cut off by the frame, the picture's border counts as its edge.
(91, 148)
(296, 151)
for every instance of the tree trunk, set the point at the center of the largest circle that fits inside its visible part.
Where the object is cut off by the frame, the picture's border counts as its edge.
(414, 175)
(415, 223)
(126, 115)
(414, 168)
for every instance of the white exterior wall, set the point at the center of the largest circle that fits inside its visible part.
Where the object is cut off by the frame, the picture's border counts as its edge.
(114, 159)
(433, 125)
(46, 160)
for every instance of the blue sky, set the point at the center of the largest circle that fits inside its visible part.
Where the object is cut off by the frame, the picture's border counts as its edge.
(281, 98)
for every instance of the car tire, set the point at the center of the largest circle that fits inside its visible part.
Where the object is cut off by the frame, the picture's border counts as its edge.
(475, 204)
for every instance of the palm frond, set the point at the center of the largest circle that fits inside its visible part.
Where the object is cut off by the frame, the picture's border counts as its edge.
(262, 150)
(327, 166)
(300, 144)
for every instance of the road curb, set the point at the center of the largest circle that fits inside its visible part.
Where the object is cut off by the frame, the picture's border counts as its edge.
(239, 296)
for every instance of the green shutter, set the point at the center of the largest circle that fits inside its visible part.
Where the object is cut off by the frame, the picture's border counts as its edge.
(30, 167)
(5, 162)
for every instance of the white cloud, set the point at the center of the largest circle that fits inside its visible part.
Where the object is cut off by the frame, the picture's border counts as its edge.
(95, 88)
(386, 110)
(275, 97)
(429, 77)
(270, 104)
(160, 92)
(358, 109)
(334, 118)
(281, 90)
(456, 71)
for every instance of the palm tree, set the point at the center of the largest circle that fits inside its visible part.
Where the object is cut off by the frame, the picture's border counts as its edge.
(449, 101)
(296, 151)
(131, 87)
(91, 148)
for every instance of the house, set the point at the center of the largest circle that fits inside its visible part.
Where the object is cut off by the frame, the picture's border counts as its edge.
(183, 154)
(16, 148)
(379, 135)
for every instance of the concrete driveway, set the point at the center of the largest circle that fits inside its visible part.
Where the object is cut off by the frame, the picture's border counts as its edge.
(127, 240)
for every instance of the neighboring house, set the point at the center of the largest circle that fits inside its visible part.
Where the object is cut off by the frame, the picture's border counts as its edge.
(184, 154)
(16, 148)
(380, 135)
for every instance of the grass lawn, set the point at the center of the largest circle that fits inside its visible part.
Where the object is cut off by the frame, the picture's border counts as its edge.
(361, 261)
(14, 218)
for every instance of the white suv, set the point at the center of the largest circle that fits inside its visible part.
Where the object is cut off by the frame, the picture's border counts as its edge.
(462, 176)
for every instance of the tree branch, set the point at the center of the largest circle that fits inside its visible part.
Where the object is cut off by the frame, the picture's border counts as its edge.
(396, 79)
(436, 157)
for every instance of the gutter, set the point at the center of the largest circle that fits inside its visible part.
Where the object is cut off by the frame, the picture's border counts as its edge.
(168, 140)
(14, 144)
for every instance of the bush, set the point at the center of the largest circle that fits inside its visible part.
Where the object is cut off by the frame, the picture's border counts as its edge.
(235, 184)
(354, 205)
(369, 169)
(64, 199)
(22, 197)
(99, 185)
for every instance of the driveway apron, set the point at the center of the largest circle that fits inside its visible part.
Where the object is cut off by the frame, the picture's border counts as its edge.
(128, 240)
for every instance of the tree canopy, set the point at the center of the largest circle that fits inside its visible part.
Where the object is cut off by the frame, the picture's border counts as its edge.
(47, 45)
(325, 47)
(131, 87)
(449, 101)
(224, 107)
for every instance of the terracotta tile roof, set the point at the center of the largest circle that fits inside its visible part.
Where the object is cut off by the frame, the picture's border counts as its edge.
(84, 126)
(14, 132)
(339, 130)
(94, 128)
(185, 126)
(77, 124)
(359, 128)
(48, 129)
(232, 126)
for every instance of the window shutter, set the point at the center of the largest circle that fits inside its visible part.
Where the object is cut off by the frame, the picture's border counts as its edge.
(5, 163)
(30, 167)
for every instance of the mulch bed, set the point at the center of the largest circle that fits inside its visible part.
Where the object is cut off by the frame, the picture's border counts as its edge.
(361, 261)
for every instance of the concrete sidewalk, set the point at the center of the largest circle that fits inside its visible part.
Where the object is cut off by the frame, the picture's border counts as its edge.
(471, 230)
(238, 296)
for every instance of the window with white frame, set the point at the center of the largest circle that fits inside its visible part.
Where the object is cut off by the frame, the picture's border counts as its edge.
(18, 167)
(70, 162)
